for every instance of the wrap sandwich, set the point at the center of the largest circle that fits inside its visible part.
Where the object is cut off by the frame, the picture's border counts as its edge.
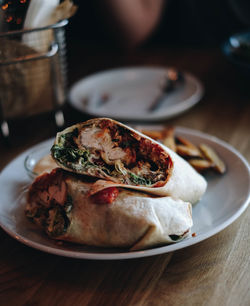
(59, 202)
(109, 150)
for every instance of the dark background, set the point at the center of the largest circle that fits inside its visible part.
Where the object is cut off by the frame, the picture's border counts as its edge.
(183, 22)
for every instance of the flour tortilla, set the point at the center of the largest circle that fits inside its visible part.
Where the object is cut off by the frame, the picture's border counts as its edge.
(181, 181)
(134, 220)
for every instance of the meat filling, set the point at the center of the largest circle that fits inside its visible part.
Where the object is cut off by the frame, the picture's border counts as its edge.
(49, 203)
(113, 152)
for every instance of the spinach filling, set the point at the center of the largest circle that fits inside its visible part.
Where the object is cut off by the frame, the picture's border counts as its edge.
(57, 221)
(69, 155)
(53, 219)
(175, 237)
(138, 180)
(66, 151)
(38, 212)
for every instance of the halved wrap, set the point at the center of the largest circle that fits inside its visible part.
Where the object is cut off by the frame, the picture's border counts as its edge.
(59, 202)
(106, 149)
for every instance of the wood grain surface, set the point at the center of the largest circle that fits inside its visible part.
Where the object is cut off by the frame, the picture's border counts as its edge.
(213, 272)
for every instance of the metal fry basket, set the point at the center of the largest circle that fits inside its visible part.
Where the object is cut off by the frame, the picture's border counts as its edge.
(33, 73)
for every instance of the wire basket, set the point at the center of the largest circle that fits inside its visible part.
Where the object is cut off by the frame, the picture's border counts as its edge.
(33, 73)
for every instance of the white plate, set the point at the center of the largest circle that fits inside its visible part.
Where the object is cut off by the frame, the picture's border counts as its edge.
(131, 92)
(225, 200)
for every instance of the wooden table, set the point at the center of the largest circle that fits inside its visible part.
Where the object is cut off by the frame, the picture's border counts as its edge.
(212, 272)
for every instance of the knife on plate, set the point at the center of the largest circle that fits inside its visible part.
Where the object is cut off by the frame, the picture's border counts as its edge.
(167, 84)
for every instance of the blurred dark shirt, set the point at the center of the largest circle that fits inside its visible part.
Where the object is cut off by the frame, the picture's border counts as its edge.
(201, 22)
(189, 22)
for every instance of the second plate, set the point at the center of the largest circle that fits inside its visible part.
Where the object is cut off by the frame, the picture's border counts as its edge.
(126, 94)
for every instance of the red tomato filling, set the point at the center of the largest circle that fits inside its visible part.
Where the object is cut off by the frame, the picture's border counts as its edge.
(106, 196)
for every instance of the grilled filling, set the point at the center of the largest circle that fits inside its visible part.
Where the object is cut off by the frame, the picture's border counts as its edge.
(111, 151)
(48, 208)
(54, 219)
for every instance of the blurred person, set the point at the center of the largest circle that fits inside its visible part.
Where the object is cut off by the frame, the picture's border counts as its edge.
(131, 23)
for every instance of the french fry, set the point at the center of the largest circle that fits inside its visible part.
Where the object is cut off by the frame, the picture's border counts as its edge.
(186, 148)
(186, 142)
(201, 157)
(200, 164)
(213, 157)
(156, 135)
(188, 151)
(168, 138)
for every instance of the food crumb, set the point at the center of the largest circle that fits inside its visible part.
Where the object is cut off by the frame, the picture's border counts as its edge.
(194, 235)
(105, 97)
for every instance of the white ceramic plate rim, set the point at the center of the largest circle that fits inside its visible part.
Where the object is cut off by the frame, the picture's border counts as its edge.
(149, 252)
(165, 112)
